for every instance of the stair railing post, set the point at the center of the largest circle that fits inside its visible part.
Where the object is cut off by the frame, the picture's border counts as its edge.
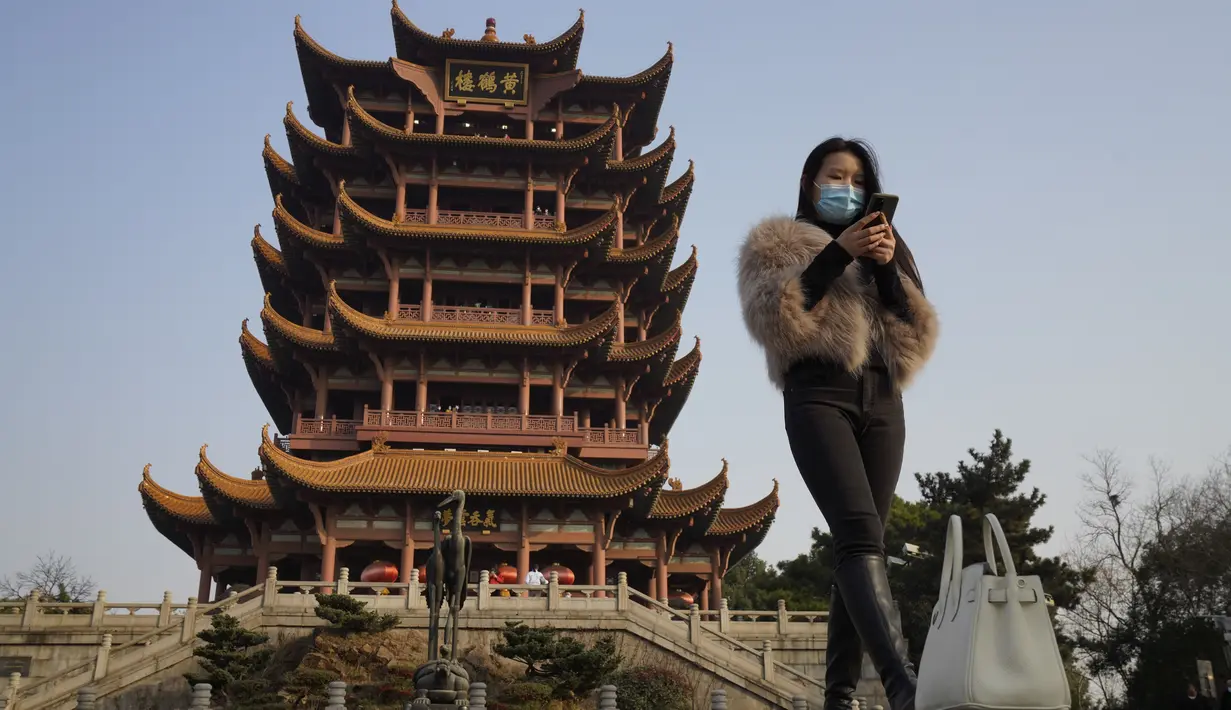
(553, 591)
(10, 695)
(189, 629)
(269, 597)
(100, 608)
(622, 592)
(104, 657)
(782, 617)
(718, 699)
(164, 610)
(767, 661)
(343, 585)
(724, 617)
(799, 702)
(485, 591)
(694, 624)
(30, 613)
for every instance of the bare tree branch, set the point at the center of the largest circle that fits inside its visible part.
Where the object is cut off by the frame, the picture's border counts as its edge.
(52, 576)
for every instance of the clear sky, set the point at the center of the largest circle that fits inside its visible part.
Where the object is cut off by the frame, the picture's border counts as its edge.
(1062, 169)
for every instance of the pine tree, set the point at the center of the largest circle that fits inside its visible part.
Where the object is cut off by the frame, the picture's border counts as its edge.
(234, 664)
(351, 616)
(565, 664)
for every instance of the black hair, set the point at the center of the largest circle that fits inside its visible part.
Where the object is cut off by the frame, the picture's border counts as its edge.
(805, 210)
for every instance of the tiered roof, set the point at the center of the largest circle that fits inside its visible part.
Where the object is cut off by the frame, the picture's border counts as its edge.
(350, 101)
(289, 480)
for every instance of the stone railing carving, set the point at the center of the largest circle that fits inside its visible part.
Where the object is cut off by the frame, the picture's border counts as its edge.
(173, 627)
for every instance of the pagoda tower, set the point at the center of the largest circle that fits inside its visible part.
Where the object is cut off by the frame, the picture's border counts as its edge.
(471, 288)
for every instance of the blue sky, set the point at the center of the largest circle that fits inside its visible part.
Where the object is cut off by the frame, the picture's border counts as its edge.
(1062, 168)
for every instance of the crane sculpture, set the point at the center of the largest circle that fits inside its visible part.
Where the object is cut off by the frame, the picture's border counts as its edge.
(442, 679)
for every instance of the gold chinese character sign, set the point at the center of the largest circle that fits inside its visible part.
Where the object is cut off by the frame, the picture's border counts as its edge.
(487, 82)
(474, 519)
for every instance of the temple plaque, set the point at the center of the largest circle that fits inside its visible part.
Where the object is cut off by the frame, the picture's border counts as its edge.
(486, 82)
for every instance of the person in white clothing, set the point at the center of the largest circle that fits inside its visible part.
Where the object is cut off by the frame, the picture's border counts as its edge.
(535, 577)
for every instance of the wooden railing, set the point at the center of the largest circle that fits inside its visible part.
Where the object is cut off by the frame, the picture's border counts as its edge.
(332, 427)
(476, 314)
(533, 423)
(499, 220)
(526, 424)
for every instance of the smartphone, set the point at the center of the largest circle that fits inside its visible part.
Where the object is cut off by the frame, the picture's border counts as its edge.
(884, 203)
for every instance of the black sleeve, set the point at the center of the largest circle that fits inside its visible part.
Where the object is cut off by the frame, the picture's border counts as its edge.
(889, 289)
(821, 273)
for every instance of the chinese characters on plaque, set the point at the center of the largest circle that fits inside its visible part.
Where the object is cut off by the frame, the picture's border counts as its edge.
(485, 520)
(486, 82)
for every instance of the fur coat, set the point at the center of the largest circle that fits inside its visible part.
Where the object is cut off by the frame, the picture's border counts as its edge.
(844, 327)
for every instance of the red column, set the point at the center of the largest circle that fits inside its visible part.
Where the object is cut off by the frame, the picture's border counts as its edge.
(598, 564)
(526, 310)
(558, 307)
(523, 390)
(560, 200)
(663, 572)
(328, 557)
(621, 404)
(207, 580)
(528, 217)
(715, 579)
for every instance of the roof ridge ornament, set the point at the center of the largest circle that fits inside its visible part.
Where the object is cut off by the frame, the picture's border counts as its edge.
(559, 447)
(489, 34)
(380, 443)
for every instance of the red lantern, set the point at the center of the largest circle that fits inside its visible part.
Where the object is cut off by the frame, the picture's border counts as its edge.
(379, 571)
(422, 574)
(563, 574)
(506, 574)
(682, 600)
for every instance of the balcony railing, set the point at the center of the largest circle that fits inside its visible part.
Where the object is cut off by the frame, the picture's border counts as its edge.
(533, 423)
(469, 422)
(482, 219)
(331, 428)
(475, 314)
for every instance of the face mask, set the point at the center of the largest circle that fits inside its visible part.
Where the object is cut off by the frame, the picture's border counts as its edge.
(839, 204)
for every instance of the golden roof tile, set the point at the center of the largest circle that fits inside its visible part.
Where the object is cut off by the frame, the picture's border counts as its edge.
(296, 132)
(353, 213)
(187, 509)
(408, 36)
(642, 77)
(645, 160)
(266, 255)
(647, 250)
(364, 122)
(310, 48)
(677, 186)
(733, 521)
(413, 330)
(402, 472)
(641, 350)
(682, 273)
(685, 366)
(246, 493)
(291, 230)
(299, 335)
(255, 349)
(681, 504)
(278, 164)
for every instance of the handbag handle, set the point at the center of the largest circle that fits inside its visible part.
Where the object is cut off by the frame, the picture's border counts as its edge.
(992, 529)
(951, 572)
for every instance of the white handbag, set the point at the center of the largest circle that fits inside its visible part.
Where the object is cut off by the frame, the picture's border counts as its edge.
(991, 645)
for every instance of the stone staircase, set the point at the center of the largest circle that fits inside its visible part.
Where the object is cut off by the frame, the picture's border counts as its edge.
(717, 644)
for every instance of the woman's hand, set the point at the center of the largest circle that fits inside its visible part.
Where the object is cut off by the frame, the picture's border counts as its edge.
(882, 252)
(859, 239)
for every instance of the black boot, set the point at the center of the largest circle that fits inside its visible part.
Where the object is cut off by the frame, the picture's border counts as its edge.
(843, 656)
(864, 584)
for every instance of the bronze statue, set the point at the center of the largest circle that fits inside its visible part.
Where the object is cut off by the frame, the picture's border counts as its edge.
(443, 679)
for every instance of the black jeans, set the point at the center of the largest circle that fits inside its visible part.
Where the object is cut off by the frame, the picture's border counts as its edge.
(847, 434)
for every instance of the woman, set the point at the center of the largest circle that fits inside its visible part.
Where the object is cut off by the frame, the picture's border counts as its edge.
(835, 300)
